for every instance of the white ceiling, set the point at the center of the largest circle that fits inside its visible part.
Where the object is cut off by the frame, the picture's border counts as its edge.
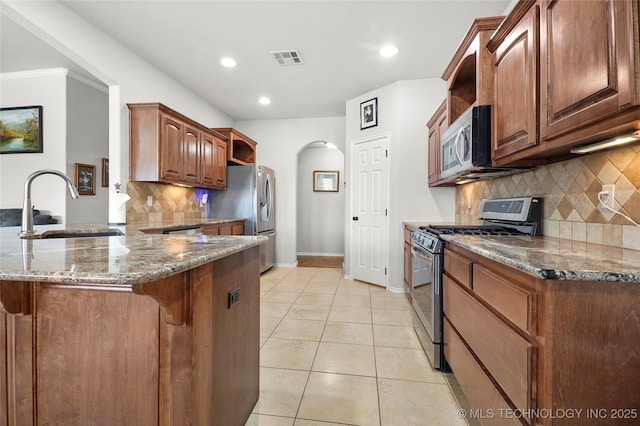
(338, 42)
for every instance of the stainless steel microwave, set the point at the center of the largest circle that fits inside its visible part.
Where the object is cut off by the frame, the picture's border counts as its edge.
(466, 148)
(466, 144)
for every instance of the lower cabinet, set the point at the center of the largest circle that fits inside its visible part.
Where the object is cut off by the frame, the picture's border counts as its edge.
(478, 387)
(168, 352)
(532, 351)
(227, 228)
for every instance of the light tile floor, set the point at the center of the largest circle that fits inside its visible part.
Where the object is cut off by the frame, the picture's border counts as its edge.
(336, 351)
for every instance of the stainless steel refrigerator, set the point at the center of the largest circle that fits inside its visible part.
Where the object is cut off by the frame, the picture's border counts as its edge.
(250, 195)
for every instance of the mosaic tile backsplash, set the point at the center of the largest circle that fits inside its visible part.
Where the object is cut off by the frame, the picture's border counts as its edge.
(570, 191)
(170, 202)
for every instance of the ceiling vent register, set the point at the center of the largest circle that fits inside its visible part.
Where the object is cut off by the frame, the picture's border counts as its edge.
(287, 57)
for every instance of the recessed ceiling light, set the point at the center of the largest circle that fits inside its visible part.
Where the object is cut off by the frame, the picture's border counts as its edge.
(388, 51)
(228, 62)
(264, 100)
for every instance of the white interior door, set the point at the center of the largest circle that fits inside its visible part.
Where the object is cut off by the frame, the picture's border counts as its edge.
(369, 196)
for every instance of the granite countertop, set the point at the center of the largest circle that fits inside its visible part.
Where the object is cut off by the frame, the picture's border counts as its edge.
(124, 260)
(556, 258)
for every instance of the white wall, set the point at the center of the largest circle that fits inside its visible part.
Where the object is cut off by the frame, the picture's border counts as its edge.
(48, 193)
(320, 215)
(87, 143)
(279, 142)
(404, 108)
(129, 77)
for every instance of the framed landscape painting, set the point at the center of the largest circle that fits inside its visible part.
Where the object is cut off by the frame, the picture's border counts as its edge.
(21, 130)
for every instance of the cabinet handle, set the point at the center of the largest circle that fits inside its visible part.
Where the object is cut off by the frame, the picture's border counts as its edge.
(355, 218)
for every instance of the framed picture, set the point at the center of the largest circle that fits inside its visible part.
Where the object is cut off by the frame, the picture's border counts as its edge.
(105, 172)
(21, 130)
(369, 113)
(86, 179)
(326, 180)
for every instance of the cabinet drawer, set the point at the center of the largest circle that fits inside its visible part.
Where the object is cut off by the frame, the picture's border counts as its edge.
(505, 354)
(475, 384)
(516, 304)
(210, 230)
(458, 267)
(237, 229)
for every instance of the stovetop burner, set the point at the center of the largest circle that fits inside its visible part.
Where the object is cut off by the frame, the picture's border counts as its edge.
(469, 230)
(507, 216)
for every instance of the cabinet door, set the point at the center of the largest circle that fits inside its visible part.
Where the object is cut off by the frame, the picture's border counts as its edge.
(437, 125)
(515, 97)
(171, 148)
(208, 157)
(191, 155)
(434, 155)
(407, 265)
(586, 63)
(220, 168)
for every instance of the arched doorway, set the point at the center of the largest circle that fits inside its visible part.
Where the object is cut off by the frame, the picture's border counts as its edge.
(320, 205)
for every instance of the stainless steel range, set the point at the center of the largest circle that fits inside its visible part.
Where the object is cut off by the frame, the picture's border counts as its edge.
(507, 216)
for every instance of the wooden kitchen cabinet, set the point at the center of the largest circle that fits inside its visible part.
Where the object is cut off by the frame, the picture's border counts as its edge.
(514, 121)
(407, 258)
(588, 62)
(469, 75)
(241, 148)
(587, 55)
(520, 346)
(226, 228)
(167, 147)
(214, 161)
(174, 351)
(437, 125)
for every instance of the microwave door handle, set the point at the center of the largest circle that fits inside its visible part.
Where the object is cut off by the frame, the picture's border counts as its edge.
(455, 144)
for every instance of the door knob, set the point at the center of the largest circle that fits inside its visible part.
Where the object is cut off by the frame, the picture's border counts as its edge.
(355, 218)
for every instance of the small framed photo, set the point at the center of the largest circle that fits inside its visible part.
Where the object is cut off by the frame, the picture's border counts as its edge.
(105, 172)
(326, 180)
(369, 113)
(86, 179)
(21, 130)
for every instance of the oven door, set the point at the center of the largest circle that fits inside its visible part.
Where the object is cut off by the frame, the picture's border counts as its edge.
(426, 297)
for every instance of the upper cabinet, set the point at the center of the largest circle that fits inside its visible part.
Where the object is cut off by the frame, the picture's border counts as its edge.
(167, 147)
(565, 75)
(469, 75)
(469, 78)
(514, 121)
(241, 148)
(214, 161)
(437, 125)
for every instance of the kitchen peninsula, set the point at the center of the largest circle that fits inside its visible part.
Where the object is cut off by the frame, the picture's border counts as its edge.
(140, 328)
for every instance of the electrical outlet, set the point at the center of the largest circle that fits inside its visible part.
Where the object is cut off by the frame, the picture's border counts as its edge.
(234, 297)
(149, 201)
(607, 195)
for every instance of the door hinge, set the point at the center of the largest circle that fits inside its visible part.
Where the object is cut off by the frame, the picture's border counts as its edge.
(385, 270)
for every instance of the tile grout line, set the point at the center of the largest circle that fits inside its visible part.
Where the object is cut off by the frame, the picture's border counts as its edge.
(314, 355)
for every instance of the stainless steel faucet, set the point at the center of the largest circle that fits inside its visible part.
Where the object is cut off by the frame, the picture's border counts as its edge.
(27, 207)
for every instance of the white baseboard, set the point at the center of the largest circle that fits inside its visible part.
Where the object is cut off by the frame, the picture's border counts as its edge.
(319, 254)
(286, 265)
